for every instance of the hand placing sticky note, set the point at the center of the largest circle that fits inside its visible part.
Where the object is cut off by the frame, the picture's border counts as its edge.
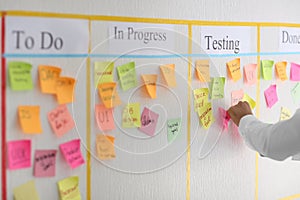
(65, 90)
(72, 154)
(234, 69)
(127, 76)
(149, 121)
(224, 118)
(105, 147)
(295, 72)
(150, 84)
(103, 72)
(295, 92)
(69, 188)
(20, 76)
(45, 163)
(26, 191)
(29, 117)
(104, 118)
(109, 95)
(131, 116)
(168, 72)
(48, 76)
(281, 70)
(206, 116)
(174, 129)
(285, 113)
(61, 120)
(251, 101)
(19, 154)
(217, 88)
(271, 96)
(237, 96)
(250, 74)
(202, 70)
(200, 97)
(267, 69)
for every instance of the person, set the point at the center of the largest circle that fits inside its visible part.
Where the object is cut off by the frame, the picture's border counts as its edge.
(277, 141)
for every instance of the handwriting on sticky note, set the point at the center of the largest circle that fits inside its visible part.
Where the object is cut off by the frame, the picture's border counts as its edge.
(217, 88)
(65, 90)
(103, 72)
(26, 191)
(251, 101)
(61, 120)
(131, 116)
(109, 95)
(285, 113)
(69, 188)
(168, 72)
(200, 97)
(267, 69)
(19, 154)
(48, 76)
(105, 147)
(202, 70)
(295, 92)
(174, 129)
(150, 84)
(127, 76)
(29, 117)
(149, 121)
(295, 72)
(237, 96)
(281, 70)
(271, 96)
(206, 116)
(104, 118)
(72, 154)
(44, 163)
(250, 73)
(223, 114)
(234, 69)
(20, 76)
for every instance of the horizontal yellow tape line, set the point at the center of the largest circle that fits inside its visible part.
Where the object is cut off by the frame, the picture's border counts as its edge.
(291, 197)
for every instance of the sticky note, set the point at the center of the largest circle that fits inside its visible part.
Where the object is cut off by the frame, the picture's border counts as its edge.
(131, 116)
(29, 117)
(267, 69)
(127, 76)
(168, 72)
(295, 92)
(19, 154)
(44, 163)
(200, 97)
(26, 191)
(103, 72)
(206, 116)
(217, 88)
(65, 90)
(61, 120)
(295, 72)
(72, 154)
(69, 188)
(174, 129)
(48, 76)
(20, 76)
(271, 96)
(285, 113)
(105, 147)
(104, 118)
(250, 74)
(234, 69)
(108, 94)
(202, 70)
(149, 121)
(281, 70)
(150, 84)
(224, 118)
(251, 101)
(236, 96)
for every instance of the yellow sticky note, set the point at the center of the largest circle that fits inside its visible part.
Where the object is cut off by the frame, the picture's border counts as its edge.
(131, 116)
(202, 70)
(109, 95)
(234, 69)
(150, 84)
(65, 90)
(26, 191)
(168, 72)
(105, 147)
(206, 116)
(251, 101)
(69, 188)
(285, 113)
(200, 97)
(48, 76)
(281, 70)
(103, 72)
(29, 117)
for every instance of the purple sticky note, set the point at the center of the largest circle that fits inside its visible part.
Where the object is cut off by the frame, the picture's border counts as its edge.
(149, 122)
(19, 154)
(224, 118)
(271, 96)
(295, 72)
(72, 153)
(44, 163)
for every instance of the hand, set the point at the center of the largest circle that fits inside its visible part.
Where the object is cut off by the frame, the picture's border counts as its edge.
(238, 111)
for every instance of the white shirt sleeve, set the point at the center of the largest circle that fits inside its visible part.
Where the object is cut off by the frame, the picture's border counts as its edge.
(277, 141)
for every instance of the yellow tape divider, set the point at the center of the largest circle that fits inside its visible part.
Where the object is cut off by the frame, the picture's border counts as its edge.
(295, 196)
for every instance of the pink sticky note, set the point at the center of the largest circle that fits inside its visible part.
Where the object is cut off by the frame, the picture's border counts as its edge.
(224, 118)
(44, 163)
(295, 72)
(61, 120)
(271, 96)
(104, 117)
(250, 74)
(149, 121)
(236, 96)
(72, 153)
(19, 154)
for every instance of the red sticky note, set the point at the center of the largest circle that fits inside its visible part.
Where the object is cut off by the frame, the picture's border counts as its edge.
(72, 154)
(149, 121)
(104, 118)
(44, 163)
(295, 72)
(19, 154)
(224, 118)
(271, 96)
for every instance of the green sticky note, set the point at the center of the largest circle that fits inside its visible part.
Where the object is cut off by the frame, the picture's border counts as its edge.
(131, 116)
(267, 69)
(217, 88)
(20, 76)
(174, 129)
(296, 93)
(103, 72)
(127, 76)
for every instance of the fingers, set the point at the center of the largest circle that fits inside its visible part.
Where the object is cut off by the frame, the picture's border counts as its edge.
(238, 111)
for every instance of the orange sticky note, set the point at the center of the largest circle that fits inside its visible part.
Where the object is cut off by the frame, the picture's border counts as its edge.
(168, 72)
(29, 117)
(202, 70)
(281, 70)
(108, 94)
(48, 76)
(234, 69)
(250, 74)
(150, 84)
(105, 147)
(65, 90)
